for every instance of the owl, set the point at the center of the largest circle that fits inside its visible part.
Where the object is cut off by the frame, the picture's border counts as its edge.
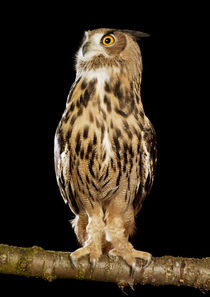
(105, 146)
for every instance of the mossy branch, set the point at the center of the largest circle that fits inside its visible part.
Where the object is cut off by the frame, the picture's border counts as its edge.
(51, 265)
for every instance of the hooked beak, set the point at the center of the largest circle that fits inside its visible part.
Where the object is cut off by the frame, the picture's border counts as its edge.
(85, 48)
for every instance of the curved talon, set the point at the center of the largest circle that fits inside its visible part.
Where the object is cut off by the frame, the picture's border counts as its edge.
(112, 254)
(133, 269)
(148, 262)
(74, 263)
(93, 265)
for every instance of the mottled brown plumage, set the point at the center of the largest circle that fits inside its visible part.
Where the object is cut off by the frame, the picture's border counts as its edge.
(105, 146)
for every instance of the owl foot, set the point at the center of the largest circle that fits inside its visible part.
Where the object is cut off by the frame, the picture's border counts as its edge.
(143, 255)
(91, 250)
(130, 255)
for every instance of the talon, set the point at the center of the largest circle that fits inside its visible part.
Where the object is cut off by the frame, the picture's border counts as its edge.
(133, 269)
(74, 263)
(93, 265)
(112, 255)
(148, 262)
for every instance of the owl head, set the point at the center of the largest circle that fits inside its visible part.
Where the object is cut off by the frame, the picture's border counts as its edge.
(108, 47)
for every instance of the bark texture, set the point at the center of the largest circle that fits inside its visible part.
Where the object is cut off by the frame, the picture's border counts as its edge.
(51, 265)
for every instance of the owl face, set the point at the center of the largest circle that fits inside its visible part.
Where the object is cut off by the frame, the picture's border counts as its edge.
(111, 48)
(101, 42)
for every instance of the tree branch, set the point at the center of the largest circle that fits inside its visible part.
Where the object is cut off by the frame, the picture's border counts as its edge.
(51, 265)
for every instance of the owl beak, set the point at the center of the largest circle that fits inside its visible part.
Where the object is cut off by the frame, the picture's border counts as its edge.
(85, 48)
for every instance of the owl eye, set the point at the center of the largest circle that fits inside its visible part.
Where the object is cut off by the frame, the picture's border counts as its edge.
(108, 40)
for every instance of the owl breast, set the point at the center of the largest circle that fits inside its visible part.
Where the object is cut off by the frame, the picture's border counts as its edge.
(102, 136)
(90, 131)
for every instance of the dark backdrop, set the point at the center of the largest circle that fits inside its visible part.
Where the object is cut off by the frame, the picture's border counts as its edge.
(38, 45)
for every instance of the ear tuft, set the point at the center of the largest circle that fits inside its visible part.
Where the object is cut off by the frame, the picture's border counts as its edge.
(136, 34)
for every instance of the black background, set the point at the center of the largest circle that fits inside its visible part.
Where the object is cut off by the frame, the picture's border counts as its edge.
(38, 45)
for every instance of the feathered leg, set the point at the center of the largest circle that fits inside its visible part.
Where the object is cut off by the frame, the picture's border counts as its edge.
(117, 233)
(93, 244)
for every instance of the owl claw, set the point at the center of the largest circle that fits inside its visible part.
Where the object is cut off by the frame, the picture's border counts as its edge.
(133, 269)
(84, 251)
(149, 260)
(76, 266)
(93, 265)
(74, 262)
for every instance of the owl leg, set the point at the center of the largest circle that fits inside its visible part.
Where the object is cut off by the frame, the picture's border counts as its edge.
(117, 234)
(93, 244)
(79, 224)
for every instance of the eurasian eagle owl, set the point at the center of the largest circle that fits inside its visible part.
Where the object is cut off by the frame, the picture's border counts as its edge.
(105, 146)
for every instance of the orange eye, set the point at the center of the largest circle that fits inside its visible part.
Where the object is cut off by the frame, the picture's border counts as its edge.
(108, 40)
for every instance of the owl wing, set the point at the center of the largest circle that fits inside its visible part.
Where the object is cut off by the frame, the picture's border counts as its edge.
(148, 164)
(62, 170)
